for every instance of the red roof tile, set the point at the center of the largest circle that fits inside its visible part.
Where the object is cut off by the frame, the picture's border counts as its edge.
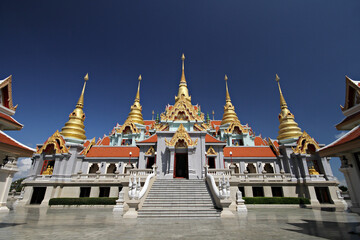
(11, 120)
(211, 139)
(5, 139)
(105, 141)
(107, 151)
(152, 139)
(350, 136)
(259, 141)
(349, 122)
(249, 152)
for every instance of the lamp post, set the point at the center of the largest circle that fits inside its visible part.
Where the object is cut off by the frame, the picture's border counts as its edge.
(231, 157)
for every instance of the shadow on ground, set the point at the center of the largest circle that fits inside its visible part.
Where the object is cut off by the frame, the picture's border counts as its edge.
(326, 229)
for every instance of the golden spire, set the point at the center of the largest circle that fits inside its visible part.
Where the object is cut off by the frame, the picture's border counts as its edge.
(288, 128)
(74, 128)
(229, 110)
(183, 90)
(135, 111)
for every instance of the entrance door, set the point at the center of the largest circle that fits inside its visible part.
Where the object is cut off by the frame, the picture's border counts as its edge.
(38, 195)
(211, 161)
(150, 162)
(181, 165)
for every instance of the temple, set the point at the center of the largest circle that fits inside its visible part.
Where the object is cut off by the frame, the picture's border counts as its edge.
(181, 146)
(10, 149)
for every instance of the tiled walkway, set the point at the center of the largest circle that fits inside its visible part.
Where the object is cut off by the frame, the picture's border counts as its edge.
(42, 223)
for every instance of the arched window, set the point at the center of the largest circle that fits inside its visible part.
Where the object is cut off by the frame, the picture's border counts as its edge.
(94, 168)
(268, 168)
(111, 168)
(251, 168)
(49, 150)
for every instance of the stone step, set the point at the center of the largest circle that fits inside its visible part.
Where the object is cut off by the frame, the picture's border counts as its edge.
(172, 204)
(179, 215)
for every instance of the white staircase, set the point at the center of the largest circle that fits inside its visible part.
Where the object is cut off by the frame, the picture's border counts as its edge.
(181, 198)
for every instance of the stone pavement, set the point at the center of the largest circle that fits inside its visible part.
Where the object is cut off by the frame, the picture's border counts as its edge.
(102, 223)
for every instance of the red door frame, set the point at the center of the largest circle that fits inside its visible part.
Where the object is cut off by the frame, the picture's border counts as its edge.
(174, 174)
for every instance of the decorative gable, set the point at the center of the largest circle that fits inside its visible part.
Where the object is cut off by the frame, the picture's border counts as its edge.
(55, 143)
(6, 93)
(181, 139)
(304, 142)
(182, 111)
(150, 151)
(128, 127)
(352, 97)
(211, 151)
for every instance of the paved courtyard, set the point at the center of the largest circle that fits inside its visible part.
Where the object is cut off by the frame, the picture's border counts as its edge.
(102, 223)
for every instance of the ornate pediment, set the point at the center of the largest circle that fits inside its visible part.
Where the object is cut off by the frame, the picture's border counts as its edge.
(128, 127)
(181, 139)
(273, 147)
(182, 110)
(87, 148)
(150, 151)
(57, 142)
(304, 142)
(211, 151)
(236, 127)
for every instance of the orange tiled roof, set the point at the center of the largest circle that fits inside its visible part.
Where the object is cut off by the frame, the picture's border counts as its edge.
(350, 136)
(107, 151)
(259, 141)
(105, 141)
(211, 139)
(11, 120)
(152, 139)
(5, 139)
(249, 152)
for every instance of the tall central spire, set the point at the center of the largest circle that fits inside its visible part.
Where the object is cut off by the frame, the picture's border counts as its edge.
(288, 128)
(183, 92)
(229, 110)
(74, 128)
(135, 113)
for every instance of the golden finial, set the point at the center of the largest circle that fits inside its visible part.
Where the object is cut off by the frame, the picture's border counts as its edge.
(137, 97)
(227, 90)
(213, 113)
(288, 128)
(74, 128)
(229, 110)
(135, 111)
(282, 99)
(183, 90)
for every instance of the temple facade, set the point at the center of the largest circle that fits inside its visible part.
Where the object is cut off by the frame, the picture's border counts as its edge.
(183, 143)
(10, 149)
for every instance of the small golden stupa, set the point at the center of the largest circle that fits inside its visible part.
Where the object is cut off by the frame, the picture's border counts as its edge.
(288, 128)
(135, 114)
(183, 92)
(229, 109)
(74, 128)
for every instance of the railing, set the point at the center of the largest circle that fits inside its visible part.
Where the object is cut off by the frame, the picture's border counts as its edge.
(219, 172)
(97, 176)
(320, 177)
(141, 172)
(251, 177)
(42, 177)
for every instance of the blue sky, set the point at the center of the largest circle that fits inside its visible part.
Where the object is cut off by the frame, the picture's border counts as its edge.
(48, 46)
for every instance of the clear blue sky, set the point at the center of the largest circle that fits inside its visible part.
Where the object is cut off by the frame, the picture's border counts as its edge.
(48, 46)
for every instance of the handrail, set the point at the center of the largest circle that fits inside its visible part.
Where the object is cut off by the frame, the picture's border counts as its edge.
(213, 185)
(146, 185)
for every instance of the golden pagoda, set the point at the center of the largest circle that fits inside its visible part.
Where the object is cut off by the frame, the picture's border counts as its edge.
(135, 114)
(74, 128)
(183, 90)
(229, 109)
(288, 128)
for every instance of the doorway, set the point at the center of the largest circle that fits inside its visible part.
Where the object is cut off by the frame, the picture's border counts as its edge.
(150, 162)
(211, 161)
(181, 166)
(323, 195)
(38, 195)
